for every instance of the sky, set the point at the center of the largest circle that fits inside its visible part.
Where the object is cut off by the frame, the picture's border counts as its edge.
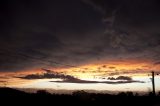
(81, 38)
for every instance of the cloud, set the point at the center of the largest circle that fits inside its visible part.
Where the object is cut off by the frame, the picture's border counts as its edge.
(120, 78)
(111, 67)
(134, 31)
(104, 82)
(70, 79)
(97, 7)
(47, 75)
(38, 36)
(56, 34)
(157, 63)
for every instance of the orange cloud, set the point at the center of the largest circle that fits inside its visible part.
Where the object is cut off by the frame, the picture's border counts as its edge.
(104, 68)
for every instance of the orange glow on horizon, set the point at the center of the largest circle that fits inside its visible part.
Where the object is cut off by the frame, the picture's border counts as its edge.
(98, 69)
(92, 71)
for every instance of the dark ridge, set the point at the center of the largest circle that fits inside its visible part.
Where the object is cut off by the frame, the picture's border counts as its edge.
(13, 96)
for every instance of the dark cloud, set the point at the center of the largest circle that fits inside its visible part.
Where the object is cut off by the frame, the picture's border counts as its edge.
(120, 78)
(40, 33)
(157, 63)
(48, 75)
(135, 28)
(71, 79)
(105, 82)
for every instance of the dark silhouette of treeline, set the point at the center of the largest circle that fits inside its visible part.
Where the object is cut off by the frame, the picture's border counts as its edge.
(13, 96)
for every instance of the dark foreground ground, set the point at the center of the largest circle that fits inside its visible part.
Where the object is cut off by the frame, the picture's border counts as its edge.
(16, 97)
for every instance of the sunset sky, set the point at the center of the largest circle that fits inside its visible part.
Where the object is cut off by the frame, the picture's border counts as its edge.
(89, 40)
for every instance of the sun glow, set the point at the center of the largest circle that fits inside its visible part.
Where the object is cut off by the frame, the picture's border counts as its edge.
(112, 68)
(93, 71)
(102, 69)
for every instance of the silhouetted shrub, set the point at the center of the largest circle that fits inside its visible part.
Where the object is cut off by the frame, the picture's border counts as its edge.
(43, 92)
(129, 94)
